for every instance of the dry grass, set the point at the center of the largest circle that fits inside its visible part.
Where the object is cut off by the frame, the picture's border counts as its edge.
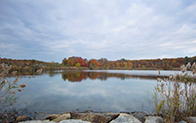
(8, 91)
(175, 97)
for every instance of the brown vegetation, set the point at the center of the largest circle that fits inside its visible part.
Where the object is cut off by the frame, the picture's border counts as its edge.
(175, 97)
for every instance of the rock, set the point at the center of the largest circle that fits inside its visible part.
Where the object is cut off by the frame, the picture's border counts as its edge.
(125, 118)
(41, 115)
(104, 117)
(37, 121)
(154, 119)
(23, 118)
(95, 117)
(140, 115)
(52, 117)
(62, 117)
(192, 119)
(74, 121)
(125, 112)
(83, 116)
(182, 122)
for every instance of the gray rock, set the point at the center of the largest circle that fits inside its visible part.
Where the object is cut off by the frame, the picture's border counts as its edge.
(62, 117)
(182, 122)
(140, 115)
(37, 121)
(125, 118)
(41, 115)
(192, 119)
(74, 121)
(154, 119)
(95, 117)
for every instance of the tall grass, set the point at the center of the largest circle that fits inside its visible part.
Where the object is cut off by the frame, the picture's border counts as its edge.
(8, 90)
(175, 97)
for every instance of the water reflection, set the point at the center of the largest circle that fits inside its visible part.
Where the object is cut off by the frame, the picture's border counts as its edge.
(100, 90)
(78, 76)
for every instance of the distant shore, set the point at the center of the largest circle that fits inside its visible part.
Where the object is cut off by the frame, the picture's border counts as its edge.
(30, 71)
(107, 68)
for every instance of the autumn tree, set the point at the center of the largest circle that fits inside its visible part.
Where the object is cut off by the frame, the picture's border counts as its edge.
(130, 64)
(64, 62)
(193, 59)
(112, 64)
(103, 62)
(72, 61)
(81, 61)
(93, 63)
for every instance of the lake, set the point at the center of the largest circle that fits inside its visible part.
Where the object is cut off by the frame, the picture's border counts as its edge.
(97, 90)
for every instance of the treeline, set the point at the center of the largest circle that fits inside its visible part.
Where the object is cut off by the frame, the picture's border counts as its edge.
(103, 63)
(28, 66)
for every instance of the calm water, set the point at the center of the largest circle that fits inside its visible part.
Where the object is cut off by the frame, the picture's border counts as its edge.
(97, 90)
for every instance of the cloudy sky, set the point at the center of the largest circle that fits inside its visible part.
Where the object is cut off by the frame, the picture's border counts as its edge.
(50, 30)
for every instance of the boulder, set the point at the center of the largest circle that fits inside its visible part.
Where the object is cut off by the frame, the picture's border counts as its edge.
(74, 121)
(52, 117)
(140, 115)
(125, 118)
(154, 119)
(83, 116)
(62, 117)
(23, 118)
(95, 117)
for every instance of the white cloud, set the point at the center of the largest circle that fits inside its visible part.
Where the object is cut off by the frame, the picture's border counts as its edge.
(130, 29)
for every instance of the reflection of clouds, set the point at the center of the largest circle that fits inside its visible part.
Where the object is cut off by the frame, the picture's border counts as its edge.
(111, 95)
(118, 95)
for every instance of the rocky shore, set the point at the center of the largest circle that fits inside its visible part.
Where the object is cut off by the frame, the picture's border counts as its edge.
(92, 117)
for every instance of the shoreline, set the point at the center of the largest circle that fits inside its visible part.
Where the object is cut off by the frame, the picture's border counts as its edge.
(92, 117)
(31, 71)
(114, 68)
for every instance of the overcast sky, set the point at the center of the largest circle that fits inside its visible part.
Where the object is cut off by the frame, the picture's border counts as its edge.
(50, 30)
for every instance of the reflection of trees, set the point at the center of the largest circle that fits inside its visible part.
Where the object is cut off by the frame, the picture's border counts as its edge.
(74, 76)
(93, 75)
(78, 76)
(52, 73)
